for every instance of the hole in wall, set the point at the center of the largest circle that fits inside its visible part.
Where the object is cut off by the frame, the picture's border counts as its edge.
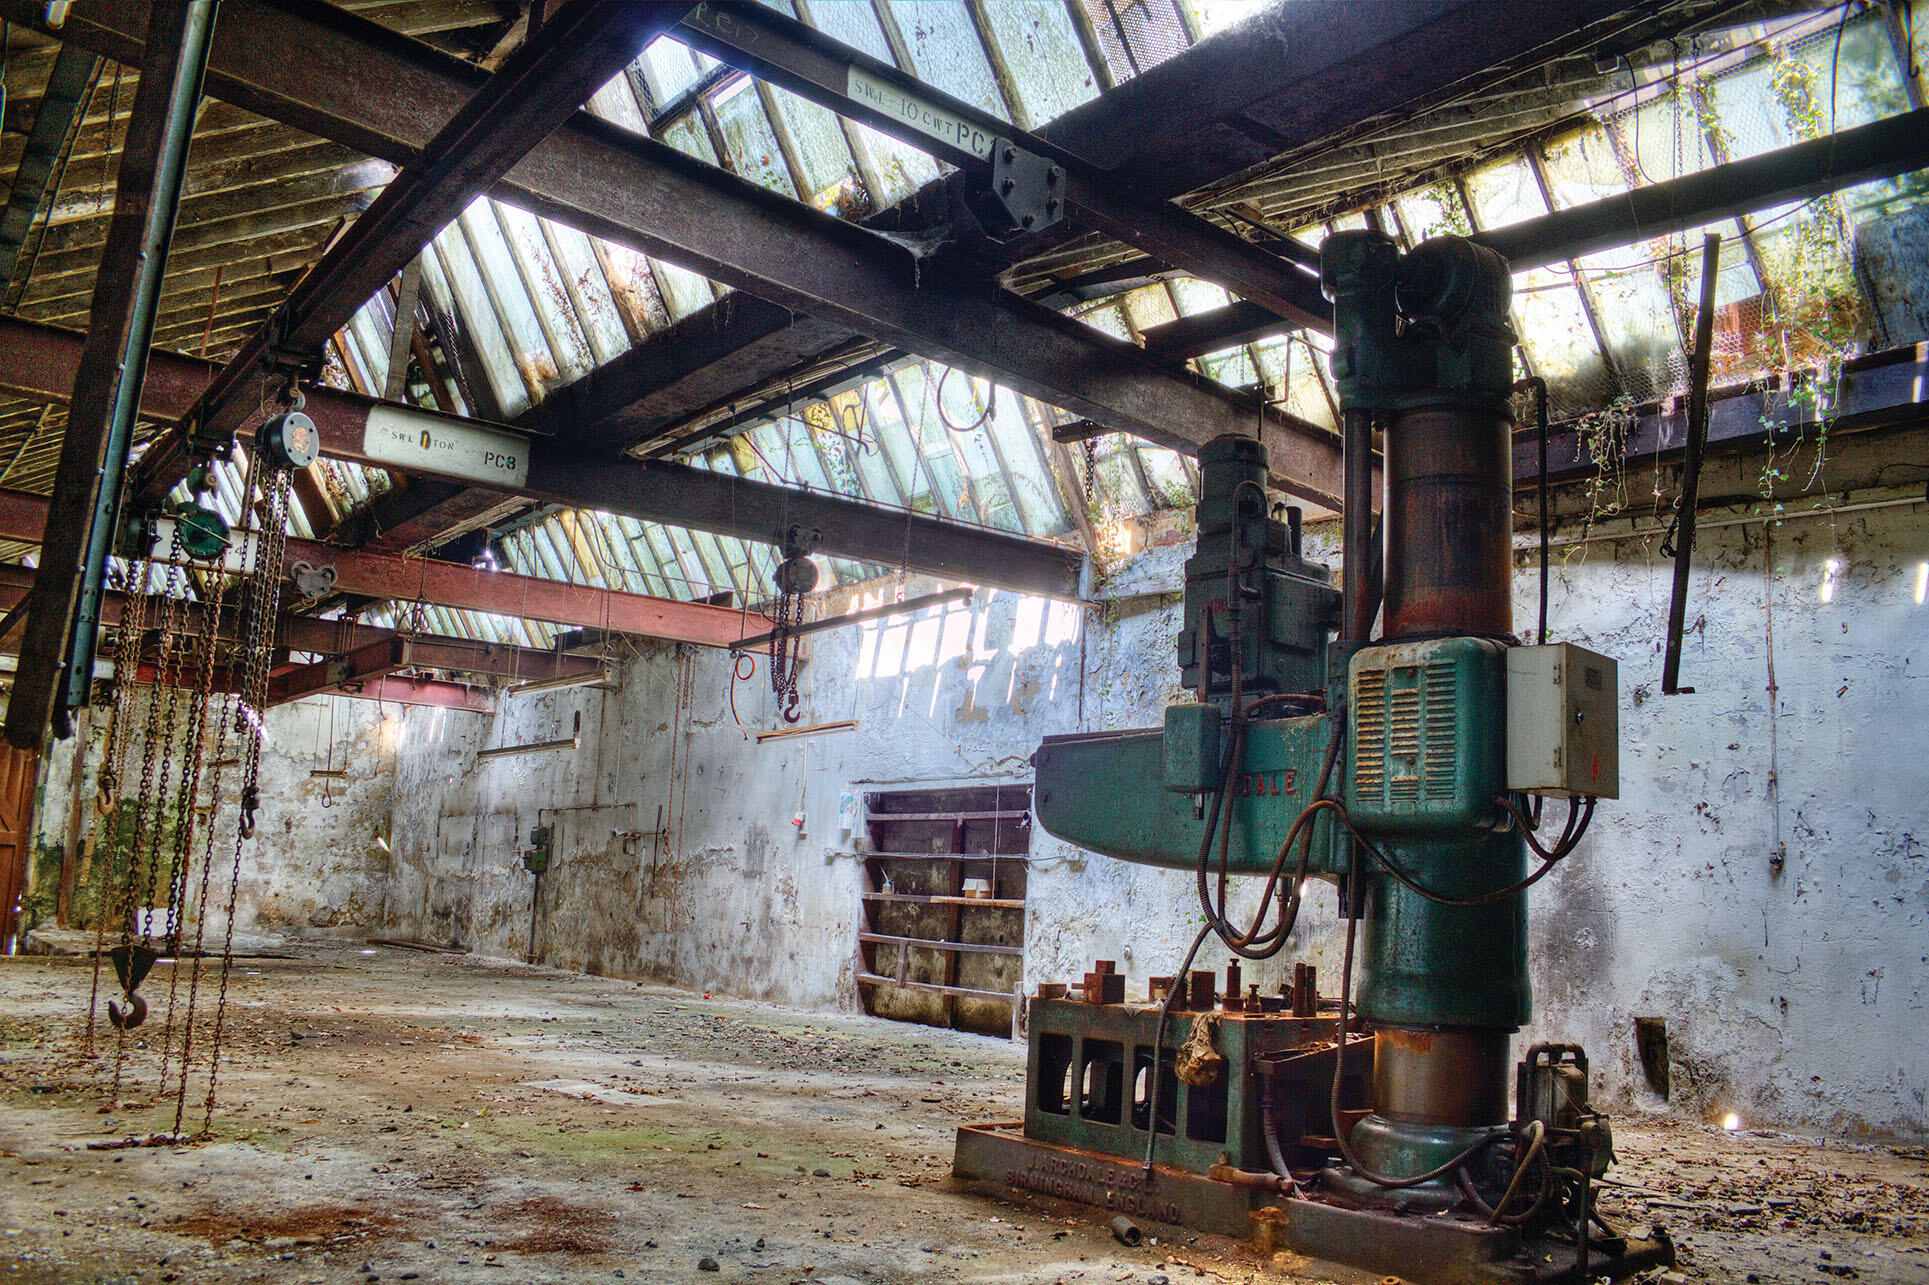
(1651, 1042)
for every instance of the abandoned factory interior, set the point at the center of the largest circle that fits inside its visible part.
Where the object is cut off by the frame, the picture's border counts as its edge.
(964, 642)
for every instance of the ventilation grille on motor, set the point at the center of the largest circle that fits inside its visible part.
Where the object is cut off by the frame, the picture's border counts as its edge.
(1407, 732)
(1403, 736)
(1442, 740)
(1369, 752)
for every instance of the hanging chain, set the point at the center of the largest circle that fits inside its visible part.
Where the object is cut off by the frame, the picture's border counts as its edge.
(225, 721)
(264, 603)
(127, 659)
(785, 646)
(1091, 471)
(155, 803)
(186, 815)
(794, 577)
(144, 846)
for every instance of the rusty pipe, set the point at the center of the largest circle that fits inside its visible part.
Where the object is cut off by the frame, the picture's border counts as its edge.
(1359, 551)
(1449, 523)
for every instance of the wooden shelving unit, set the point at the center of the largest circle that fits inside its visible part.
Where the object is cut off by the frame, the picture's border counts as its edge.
(920, 935)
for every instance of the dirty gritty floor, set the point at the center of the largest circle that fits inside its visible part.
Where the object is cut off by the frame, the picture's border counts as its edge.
(405, 1116)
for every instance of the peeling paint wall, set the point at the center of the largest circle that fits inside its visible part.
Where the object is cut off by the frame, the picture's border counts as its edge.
(1793, 998)
(314, 864)
(1795, 994)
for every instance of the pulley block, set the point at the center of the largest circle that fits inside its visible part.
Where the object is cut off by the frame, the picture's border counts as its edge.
(795, 575)
(131, 964)
(289, 440)
(312, 581)
(204, 533)
(135, 535)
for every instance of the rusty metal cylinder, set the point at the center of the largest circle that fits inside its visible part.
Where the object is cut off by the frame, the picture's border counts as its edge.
(1449, 523)
(1440, 1075)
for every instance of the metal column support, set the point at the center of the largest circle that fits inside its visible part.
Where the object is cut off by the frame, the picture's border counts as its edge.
(1684, 535)
(57, 657)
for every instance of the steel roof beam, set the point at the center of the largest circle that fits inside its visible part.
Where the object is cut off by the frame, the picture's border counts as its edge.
(1881, 149)
(1197, 118)
(541, 85)
(38, 361)
(805, 61)
(54, 121)
(387, 93)
(23, 517)
(320, 637)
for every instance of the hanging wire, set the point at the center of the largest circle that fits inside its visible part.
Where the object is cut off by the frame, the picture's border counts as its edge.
(986, 404)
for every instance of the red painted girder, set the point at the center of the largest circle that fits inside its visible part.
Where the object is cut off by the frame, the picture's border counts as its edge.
(23, 517)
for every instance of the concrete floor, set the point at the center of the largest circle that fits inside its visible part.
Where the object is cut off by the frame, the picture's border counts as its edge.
(378, 1119)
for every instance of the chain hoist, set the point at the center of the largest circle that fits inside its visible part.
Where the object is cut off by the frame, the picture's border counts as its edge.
(794, 577)
(187, 812)
(286, 442)
(127, 659)
(136, 953)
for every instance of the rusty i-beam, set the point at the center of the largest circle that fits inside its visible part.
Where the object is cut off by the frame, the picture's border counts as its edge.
(24, 517)
(649, 197)
(37, 361)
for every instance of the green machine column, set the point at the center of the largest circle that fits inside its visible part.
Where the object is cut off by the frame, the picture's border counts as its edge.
(1423, 351)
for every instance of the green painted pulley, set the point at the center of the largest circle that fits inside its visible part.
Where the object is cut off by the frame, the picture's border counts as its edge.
(204, 533)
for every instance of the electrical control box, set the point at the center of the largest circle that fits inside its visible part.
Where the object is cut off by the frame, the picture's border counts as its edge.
(535, 858)
(1563, 722)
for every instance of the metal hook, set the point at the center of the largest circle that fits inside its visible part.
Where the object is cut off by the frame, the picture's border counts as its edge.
(132, 1016)
(250, 801)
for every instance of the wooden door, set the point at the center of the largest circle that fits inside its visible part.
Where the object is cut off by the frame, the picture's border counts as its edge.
(17, 773)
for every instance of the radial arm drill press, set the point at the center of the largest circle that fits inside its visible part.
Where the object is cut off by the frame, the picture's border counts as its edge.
(1388, 1126)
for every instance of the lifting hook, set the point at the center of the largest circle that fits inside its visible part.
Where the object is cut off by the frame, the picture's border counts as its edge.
(250, 800)
(132, 1016)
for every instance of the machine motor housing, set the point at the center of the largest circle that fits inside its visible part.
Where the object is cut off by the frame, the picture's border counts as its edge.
(1422, 720)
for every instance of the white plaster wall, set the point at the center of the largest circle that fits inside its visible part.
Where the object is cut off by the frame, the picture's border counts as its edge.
(1794, 999)
(310, 868)
(314, 865)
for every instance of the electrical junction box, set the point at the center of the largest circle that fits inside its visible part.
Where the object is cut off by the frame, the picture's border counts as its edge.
(535, 858)
(1563, 722)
